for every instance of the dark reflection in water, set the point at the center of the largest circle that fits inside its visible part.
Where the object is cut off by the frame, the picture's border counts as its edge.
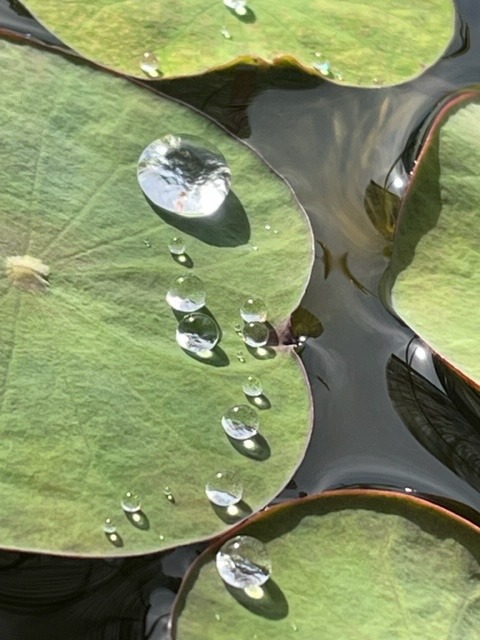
(337, 146)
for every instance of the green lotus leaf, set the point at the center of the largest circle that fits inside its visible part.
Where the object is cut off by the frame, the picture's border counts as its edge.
(96, 397)
(345, 564)
(363, 42)
(435, 268)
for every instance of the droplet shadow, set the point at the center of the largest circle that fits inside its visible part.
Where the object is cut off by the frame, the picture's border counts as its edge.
(183, 259)
(262, 353)
(138, 519)
(248, 18)
(271, 604)
(227, 227)
(115, 539)
(256, 448)
(234, 513)
(259, 402)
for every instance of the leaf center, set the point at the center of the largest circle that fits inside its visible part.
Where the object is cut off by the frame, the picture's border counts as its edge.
(28, 273)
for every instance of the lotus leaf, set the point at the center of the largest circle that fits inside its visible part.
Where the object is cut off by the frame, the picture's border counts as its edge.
(96, 397)
(363, 42)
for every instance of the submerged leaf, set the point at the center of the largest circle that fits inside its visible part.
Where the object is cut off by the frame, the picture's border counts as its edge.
(96, 397)
(363, 42)
(346, 564)
(435, 269)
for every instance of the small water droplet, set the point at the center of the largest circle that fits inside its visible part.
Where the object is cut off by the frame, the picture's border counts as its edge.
(238, 329)
(239, 6)
(254, 247)
(187, 293)
(197, 333)
(241, 422)
(243, 562)
(275, 231)
(254, 310)
(109, 526)
(149, 64)
(252, 386)
(147, 243)
(294, 627)
(184, 175)
(161, 537)
(131, 502)
(267, 227)
(177, 246)
(318, 54)
(324, 68)
(240, 356)
(226, 33)
(224, 489)
(255, 334)
(217, 617)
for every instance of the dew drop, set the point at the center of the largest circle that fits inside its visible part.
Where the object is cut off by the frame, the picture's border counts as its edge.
(176, 246)
(186, 293)
(161, 537)
(254, 310)
(197, 333)
(252, 386)
(294, 627)
(240, 356)
(167, 492)
(226, 33)
(255, 334)
(217, 617)
(147, 243)
(241, 422)
(267, 227)
(254, 247)
(109, 526)
(184, 175)
(275, 231)
(324, 68)
(224, 489)
(239, 6)
(243, 562)
(131, 502)
(149, 64)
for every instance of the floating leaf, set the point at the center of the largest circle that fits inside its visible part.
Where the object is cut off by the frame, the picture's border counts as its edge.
(435, 268)
(96, 397)
(345, 564)
(364, 42)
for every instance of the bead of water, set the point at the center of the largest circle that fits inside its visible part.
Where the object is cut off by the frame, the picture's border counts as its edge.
(131, 502)
(197, 333)
(224, 488)
(255, 334)
(176, 246)
(252, 386)
(241, 422)
(186, 293)
(244, 562)
(254, 309)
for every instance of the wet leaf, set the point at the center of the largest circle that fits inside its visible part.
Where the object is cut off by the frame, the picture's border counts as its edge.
(360, 40)
(363, 564)
(96, 397)
(435, 268)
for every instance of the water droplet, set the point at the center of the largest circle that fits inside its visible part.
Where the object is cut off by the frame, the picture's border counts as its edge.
(161, 537)
(226, 33)
(243, 562)
(167, 492)
(267, 227)
(217, 617)
(239, 6)
(255, 334)
(184, 175)
(149, 64)
(324, 68)
(109, 526)
(254, 310)
(252, 386)
(147, 243)
(254, 247)
(224, 489)
(294, 627)
(241, 422)
(275, 231)
(177, 246)
(238, 329)
(197, 333)
(240, 356)
(187, 293)
(131, 502)
(318, 54)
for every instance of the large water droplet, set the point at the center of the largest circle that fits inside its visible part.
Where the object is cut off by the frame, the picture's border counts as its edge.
(243, 562)
(252, 386)
(197, 333)
(187, 293)
(241, 422)
(239, 6)
(184, 175)
(224, 489)
(255, 334)
(149, 64)
(177, 246)
(131, 502)
(254, 310)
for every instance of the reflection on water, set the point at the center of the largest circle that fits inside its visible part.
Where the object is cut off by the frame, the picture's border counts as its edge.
(380, 419)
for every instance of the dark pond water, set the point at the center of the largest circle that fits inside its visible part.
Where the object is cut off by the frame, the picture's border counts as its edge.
(380, 406)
